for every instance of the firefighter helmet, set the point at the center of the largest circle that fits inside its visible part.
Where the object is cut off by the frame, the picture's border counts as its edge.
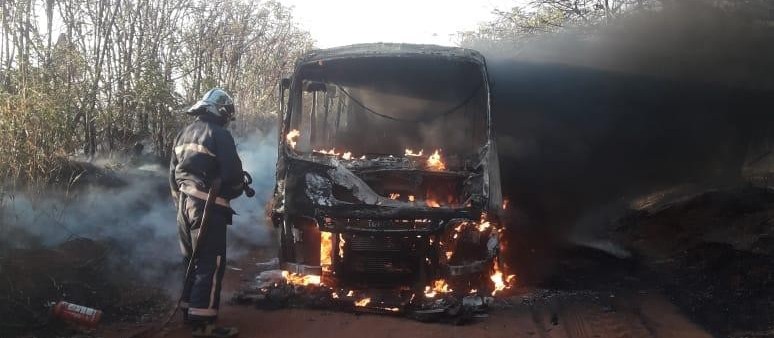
(217, 103)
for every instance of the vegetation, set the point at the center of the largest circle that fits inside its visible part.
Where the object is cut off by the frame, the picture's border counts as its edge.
(539, 18)
(94, 77)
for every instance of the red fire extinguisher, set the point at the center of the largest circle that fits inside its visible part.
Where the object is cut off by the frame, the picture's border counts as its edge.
(77, 314)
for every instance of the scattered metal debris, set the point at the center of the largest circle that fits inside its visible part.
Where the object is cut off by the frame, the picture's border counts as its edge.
(273, 290)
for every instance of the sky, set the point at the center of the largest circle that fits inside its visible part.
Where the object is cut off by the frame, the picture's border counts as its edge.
(342, 22)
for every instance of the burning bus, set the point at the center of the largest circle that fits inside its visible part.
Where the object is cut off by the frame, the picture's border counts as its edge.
(387, 175)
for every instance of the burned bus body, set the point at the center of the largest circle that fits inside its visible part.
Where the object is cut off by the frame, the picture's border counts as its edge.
(388, 173)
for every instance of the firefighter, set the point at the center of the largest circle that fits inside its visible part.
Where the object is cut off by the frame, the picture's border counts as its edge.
(203, 152)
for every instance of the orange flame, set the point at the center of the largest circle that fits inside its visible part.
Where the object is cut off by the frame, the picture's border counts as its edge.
(362, 302)
(394, 196)
(500, 284)
(410, 152)
(326, 250)
(439, 286)
(296, 279)
(347, 155)
(292, 137)
(327, 152)
(411, 198)
(435, 163)
(459, 227)
(484, 223)
(432, 204)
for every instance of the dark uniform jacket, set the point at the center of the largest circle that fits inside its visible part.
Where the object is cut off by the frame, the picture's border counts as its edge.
(203, 151)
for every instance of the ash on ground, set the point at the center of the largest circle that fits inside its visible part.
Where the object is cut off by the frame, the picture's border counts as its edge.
(77, 271)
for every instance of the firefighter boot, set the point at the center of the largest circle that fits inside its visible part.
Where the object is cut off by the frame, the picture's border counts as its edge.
(213, 331)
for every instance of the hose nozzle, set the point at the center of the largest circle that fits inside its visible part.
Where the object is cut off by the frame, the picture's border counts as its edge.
(247, 180)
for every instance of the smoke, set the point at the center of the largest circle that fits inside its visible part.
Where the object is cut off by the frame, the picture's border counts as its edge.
(136, 222)
(137, 219)
(586, 123)
(250, 229)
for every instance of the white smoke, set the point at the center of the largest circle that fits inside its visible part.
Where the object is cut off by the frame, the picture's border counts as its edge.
(250, 229)
(138, 220)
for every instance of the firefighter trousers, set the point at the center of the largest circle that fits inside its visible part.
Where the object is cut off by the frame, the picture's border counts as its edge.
(201, 292)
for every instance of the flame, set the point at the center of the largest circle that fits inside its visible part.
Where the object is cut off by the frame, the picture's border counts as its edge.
(435, 163)
(484, 223)
(292, 137)
(326, 250)
(296, 279)
(394, 196)
(459, 227)
(449, 254)
(411, 198)
(347, 155)
(505, 204)
(429, 293)
(328, 152)
(350, 293)
(341, 245)
(362, 302)
(334, 295)
(497, 279)
(432, 204)
(439, 286)
(410, 152)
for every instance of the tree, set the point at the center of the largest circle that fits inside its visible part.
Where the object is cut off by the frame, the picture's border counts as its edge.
(540, 17)
(121, 72)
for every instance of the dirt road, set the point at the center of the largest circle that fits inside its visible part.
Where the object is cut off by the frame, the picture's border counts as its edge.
(524, 313)
(647, 317)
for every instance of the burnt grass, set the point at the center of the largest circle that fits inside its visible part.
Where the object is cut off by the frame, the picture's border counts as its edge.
(79, 271)
(711, 253)
(724, 289)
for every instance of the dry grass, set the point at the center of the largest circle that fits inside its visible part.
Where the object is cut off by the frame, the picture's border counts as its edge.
(35, 136)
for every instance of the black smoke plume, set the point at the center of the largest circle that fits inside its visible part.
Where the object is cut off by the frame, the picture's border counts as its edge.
(585, 124)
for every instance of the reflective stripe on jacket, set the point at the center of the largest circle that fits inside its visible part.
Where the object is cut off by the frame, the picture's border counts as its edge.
(202, 151)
